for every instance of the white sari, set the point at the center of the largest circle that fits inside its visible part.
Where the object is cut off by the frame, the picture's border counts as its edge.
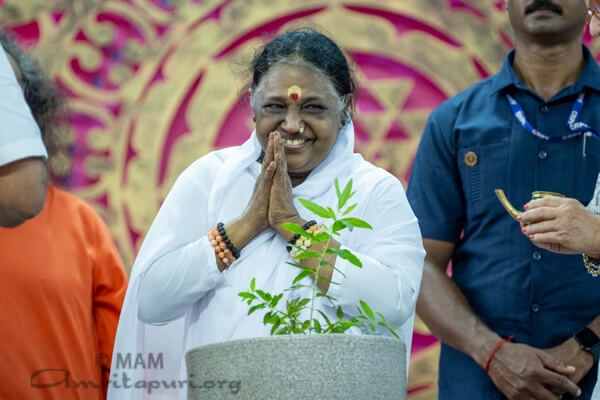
(175, 277)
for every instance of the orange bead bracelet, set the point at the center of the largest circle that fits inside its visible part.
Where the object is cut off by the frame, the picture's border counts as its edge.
(221, 249)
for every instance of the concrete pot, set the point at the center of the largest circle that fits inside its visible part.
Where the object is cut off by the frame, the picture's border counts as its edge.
(301, 367)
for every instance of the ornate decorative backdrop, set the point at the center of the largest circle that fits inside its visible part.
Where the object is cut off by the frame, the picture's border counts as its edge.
(155, 84)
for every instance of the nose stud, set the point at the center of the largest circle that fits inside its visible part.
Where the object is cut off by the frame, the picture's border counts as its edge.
(301, 130)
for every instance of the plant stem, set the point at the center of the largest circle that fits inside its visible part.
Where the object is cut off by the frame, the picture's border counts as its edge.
(315, 286)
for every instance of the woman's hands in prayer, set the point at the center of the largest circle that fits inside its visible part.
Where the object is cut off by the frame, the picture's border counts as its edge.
(281, 204)
(271, 203)
(258, 209)
(256, 218)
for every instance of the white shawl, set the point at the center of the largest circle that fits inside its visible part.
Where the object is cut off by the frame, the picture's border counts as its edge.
(182, 284)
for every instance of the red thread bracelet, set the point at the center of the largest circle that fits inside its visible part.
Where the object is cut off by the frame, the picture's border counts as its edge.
(493, 353)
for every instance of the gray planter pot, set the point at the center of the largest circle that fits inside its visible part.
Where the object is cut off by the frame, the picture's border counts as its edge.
(301, 367)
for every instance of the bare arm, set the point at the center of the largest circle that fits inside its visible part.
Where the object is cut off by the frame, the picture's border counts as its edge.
(517, 370)
(445, 310)
(22, 190)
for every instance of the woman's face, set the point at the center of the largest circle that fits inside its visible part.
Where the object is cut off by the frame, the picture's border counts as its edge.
(594, 21)
(302, 105)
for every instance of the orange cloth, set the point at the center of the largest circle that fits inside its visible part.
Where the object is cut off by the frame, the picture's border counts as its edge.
(61, 290)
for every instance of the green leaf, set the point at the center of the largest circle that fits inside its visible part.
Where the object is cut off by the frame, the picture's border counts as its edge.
(256, 307)
(338, 226)
(297, 265)
(369, 313)
(393, 332)
(346, 255)
(253, 284)
(303, 302)
(331, 211)
(338, 193)
(345, 195)
(340, 272)
(357, 223)
(327, 321)
(296, 287)
(350, 209)
(294, 228)
(340, 312)
(323, 279)
(325, 263)
(263, 295)
(317, 325)
(331, 300)
(320, 237)
(307, 254)
(271, 318)
(275, 300)
(317, 209)
(305, 268)
(275, 326)
(302, 275)
(247, 295)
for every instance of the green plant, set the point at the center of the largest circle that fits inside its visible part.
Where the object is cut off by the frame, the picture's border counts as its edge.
(288, 320)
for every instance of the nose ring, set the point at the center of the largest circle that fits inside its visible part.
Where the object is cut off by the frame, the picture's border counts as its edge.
(301, 130)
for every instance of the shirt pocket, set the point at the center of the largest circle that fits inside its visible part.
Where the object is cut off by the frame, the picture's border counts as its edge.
(483, 168)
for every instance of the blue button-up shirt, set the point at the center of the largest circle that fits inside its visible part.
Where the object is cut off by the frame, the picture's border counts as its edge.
(473, 144)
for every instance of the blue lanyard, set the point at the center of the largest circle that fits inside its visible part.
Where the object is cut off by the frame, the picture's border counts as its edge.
(577, 128)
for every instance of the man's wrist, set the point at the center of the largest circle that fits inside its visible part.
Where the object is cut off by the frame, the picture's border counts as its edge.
(481, 352)
(589, 341)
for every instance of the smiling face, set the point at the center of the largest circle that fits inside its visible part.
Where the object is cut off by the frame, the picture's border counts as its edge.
(302, 105)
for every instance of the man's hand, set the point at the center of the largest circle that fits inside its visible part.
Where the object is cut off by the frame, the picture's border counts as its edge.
(523, 372)
(570, 353)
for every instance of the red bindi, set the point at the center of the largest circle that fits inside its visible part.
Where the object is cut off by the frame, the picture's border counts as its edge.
(294, 92)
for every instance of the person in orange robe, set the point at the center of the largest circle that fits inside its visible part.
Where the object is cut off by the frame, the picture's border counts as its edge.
(62, 280)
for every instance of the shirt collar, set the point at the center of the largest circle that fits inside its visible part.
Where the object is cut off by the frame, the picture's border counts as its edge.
(590, 77)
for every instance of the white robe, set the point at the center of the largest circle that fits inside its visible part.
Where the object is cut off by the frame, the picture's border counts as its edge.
(175, 276)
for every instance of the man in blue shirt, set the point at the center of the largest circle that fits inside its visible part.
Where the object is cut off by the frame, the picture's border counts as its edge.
(510, 316)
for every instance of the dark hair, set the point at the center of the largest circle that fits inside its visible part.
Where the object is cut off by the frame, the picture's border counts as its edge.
(308, 46)
(46, 101)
